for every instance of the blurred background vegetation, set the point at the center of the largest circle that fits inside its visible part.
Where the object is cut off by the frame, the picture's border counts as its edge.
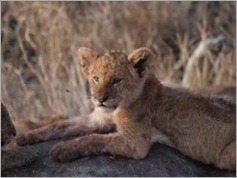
(39, 42)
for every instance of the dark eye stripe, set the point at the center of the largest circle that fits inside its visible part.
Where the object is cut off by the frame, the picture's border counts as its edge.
(116, 80)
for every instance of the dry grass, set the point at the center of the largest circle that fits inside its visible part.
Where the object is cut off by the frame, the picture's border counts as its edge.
(40, 69)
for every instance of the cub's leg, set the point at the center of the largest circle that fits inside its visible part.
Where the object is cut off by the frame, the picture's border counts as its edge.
(227, 159)
(78, 126)
(97, 144)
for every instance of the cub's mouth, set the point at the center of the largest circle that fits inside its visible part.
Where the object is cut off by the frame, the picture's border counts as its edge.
(106, 108)
(105, 105)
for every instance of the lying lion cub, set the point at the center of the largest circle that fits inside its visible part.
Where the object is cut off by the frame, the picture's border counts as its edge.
(133, 110)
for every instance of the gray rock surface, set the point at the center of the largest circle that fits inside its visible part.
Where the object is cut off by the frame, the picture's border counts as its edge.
(161, 161)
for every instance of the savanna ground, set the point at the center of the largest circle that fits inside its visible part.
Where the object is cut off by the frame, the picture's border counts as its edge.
(40, 72)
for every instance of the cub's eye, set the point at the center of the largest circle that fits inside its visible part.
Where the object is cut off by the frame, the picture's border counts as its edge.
(95, 79)
(116, 80)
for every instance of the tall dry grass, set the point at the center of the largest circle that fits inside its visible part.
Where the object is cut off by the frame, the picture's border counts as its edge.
(40, 69)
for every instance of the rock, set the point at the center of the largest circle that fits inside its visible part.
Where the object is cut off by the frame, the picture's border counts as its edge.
(161, 161)
(17, 157)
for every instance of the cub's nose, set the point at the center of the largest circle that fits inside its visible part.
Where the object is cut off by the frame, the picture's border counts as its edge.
(103, 99)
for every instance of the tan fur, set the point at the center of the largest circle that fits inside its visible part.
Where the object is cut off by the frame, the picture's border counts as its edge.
(23, 125)
(133, 110)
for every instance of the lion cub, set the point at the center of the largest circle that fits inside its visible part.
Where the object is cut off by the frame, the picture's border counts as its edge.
(133, 110)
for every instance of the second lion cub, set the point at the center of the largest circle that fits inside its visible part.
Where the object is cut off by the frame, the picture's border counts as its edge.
(133, 110)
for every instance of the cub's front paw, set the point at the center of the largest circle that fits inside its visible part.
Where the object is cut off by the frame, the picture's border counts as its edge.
(61, 152)
(24, 139)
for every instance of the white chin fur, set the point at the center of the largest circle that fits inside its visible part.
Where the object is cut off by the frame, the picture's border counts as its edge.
(104, 109)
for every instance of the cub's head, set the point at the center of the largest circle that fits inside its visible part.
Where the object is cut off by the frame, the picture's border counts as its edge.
(115, 78)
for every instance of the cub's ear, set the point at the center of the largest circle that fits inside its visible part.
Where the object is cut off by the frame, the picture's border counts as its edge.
(86, 57)
(141, 59)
